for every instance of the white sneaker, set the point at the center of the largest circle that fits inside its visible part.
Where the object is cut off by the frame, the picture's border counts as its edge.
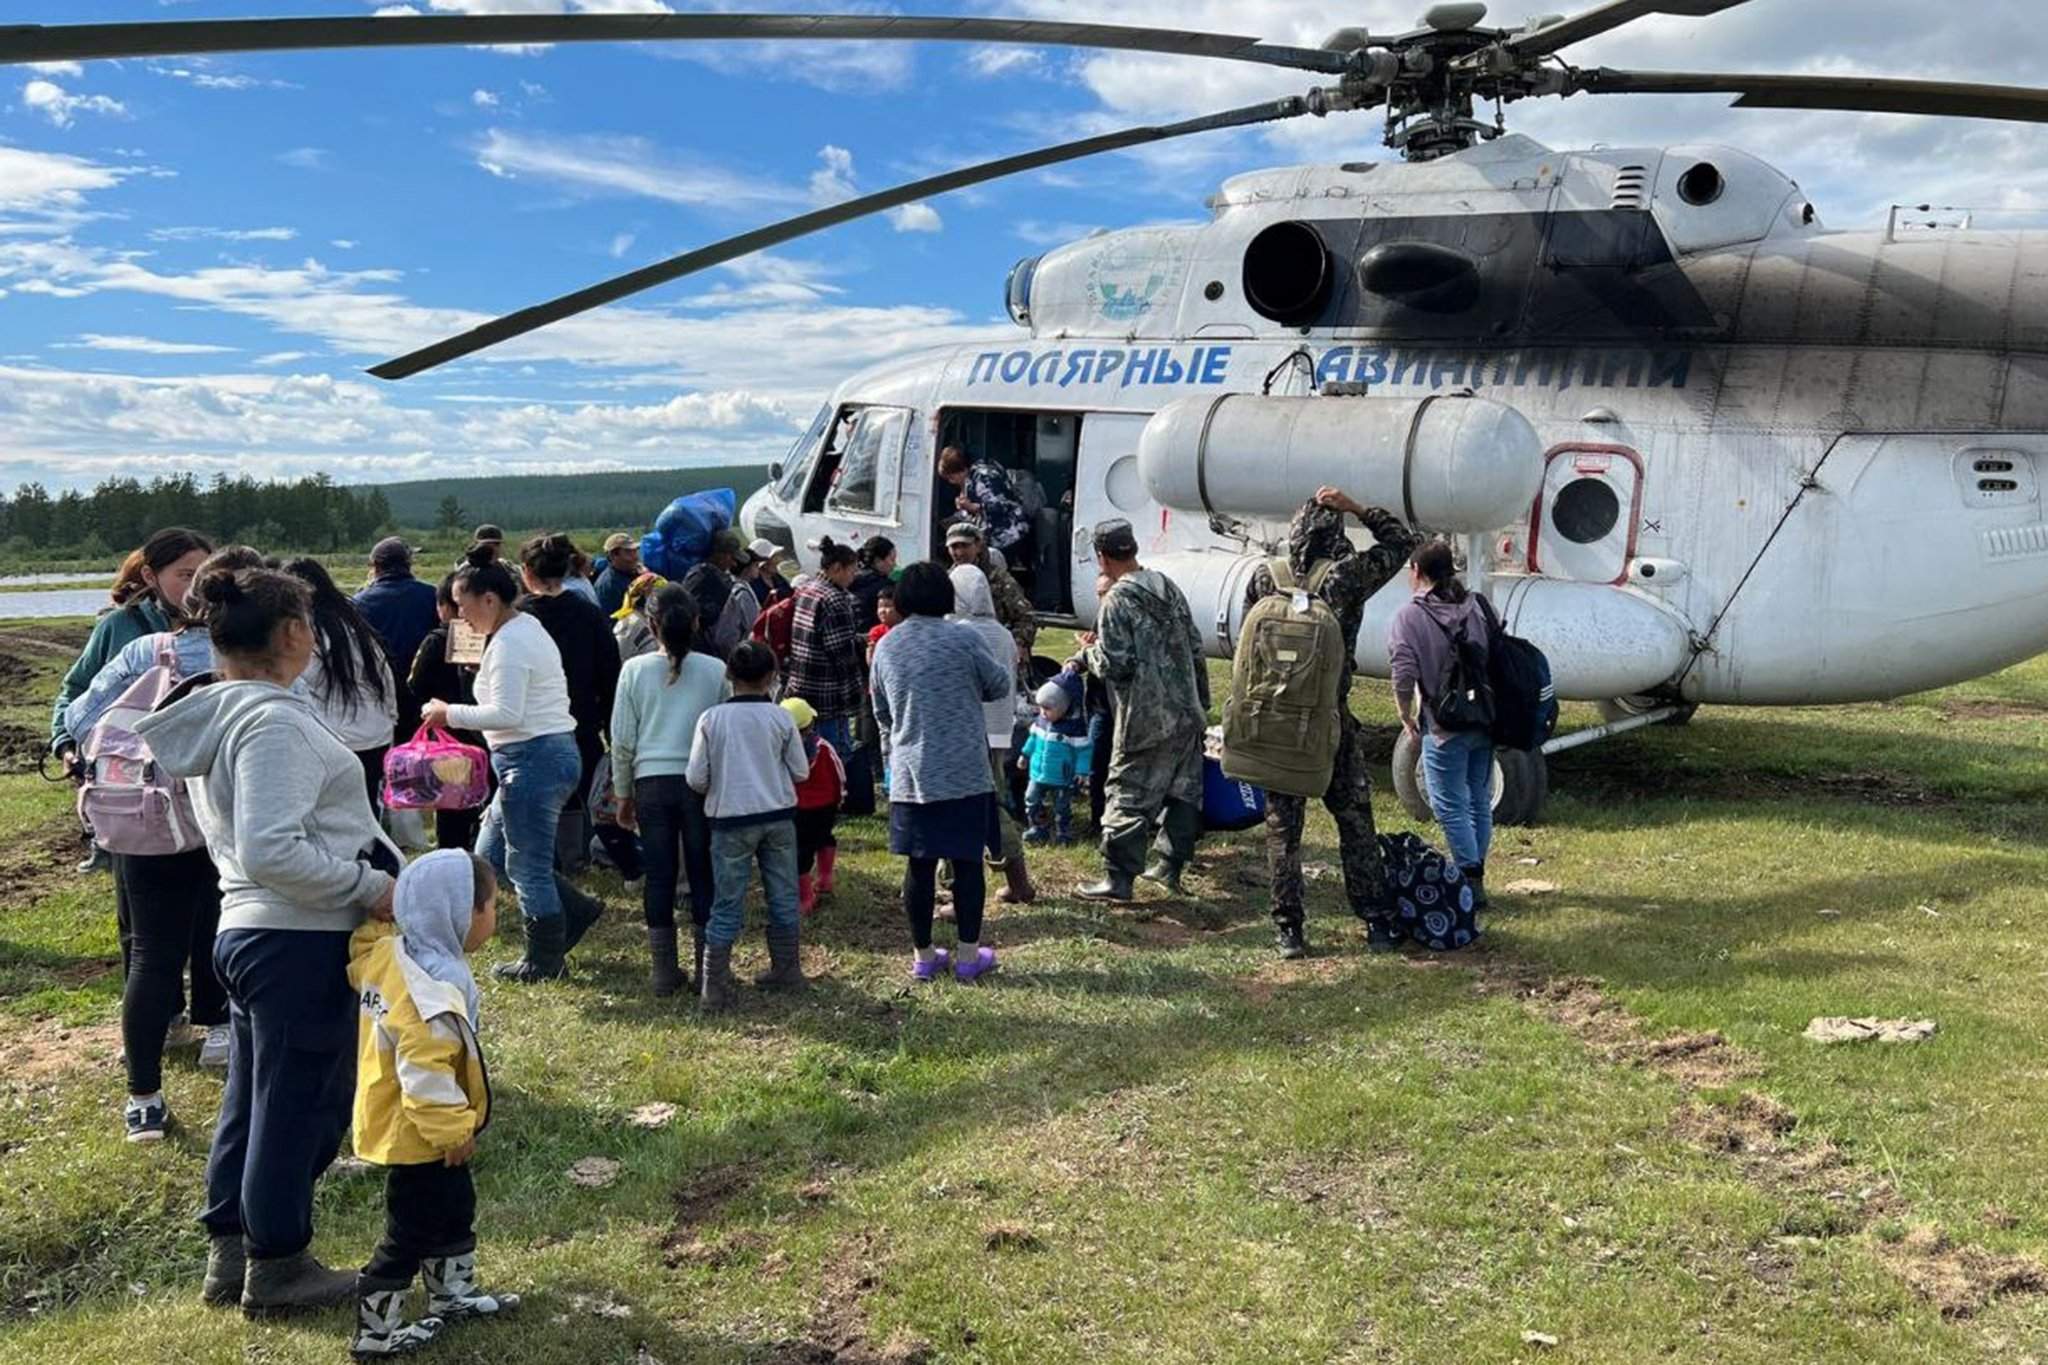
(213, 1053)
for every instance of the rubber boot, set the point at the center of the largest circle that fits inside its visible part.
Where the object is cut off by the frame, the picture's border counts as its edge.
(828, 865)
(1477, 876)
(452, 1292)
(806, 893)
(542, 960)
(1165, 873)
(297, 1283)
(717, 989)
(785, 970)
(381, 1328)
(1291, 941)
(1017, 888)
(1114, 886)
(580, 910)
(661, 950)
(226, 1267)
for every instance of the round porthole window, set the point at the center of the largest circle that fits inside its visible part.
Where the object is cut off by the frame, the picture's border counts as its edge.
(1585, 510)
(1701, 185)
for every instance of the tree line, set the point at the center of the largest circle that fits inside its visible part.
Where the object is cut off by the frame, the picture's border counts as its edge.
(314, 514)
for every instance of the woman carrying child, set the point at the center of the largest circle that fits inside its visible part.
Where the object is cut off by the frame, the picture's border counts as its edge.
(423, 1096)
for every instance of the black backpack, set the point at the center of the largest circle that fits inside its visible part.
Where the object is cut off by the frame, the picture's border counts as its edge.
(1462, 698)
(1524, 700)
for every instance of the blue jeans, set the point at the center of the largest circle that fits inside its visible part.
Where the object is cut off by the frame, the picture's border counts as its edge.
(734, 851)
(1038, 796)
(1460, 776)
(536, 779)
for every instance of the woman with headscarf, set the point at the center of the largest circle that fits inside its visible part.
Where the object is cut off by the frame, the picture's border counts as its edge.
(632, 625)
(974, 606)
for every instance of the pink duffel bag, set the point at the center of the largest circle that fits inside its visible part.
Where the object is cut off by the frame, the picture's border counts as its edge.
(436, 771)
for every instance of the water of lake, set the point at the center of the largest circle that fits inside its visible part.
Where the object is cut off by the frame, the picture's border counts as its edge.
(19, 606)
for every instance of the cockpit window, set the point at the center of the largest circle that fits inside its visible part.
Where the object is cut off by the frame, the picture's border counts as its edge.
(798, 465)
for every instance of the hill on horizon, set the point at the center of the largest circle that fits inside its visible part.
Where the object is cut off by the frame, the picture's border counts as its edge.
(628, 499)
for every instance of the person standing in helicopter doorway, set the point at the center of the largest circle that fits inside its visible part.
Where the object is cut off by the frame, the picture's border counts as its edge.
(1321, 559)
(1146, 647)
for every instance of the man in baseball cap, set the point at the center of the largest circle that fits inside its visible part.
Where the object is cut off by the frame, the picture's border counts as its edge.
(621, 567)
(769, 585)
(965, 544)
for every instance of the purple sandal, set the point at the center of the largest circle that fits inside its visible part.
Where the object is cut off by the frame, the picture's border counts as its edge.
(928, 969)
(981, 964)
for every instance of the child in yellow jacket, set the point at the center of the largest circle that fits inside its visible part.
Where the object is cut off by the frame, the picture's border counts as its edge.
(422, 1096)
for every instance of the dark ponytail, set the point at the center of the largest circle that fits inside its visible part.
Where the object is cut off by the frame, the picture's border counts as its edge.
(244, 608)
(1435, 562)
(874, 550)
(483, 572)
(550, 556)
(229, 559)
(672, 611)
(833, 555)
(351, 651)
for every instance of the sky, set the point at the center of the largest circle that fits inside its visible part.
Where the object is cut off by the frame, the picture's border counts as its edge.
(199, 259)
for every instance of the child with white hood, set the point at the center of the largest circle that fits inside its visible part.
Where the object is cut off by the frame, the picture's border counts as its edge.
(422, 1096)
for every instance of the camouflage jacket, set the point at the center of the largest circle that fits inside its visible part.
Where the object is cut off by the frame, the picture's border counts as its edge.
(1013, 608)
(1150, 653)
(1317, 535)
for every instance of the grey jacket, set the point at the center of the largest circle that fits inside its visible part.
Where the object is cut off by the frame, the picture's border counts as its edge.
(281, 803)
(1421, 650)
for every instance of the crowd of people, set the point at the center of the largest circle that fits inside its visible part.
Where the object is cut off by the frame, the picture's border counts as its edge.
(707, 733)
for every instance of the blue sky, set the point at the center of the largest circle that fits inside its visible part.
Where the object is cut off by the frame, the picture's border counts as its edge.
(198, 259)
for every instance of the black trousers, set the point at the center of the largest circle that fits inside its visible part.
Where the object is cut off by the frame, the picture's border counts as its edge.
(921, 891)
(814, 832)
(291, 1081)
(169, 909)
(429, 1211)
(674, 834)
(373, 774)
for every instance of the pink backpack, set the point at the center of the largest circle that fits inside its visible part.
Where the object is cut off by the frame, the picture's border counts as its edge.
(131, 805)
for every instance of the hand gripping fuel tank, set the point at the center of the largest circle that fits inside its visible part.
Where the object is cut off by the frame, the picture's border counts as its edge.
(1445, 462)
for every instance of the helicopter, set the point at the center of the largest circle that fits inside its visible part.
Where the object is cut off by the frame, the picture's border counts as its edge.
(1697, 447)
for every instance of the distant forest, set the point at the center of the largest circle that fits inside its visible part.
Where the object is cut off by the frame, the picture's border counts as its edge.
(316, 515)
(628, 500)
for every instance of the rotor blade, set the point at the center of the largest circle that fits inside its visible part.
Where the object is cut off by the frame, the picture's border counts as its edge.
(1611, 15)
(75, 42)
(690, 262)
(1866, 93)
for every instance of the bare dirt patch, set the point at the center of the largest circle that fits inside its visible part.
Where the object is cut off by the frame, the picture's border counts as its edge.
(700, 1199)
(39, 1053)
(838, 1333)
(1579, 1005)
(1272, 977)
(21, 748)
(1993, 710)
(35, 862)
(1959, 1280)
(1336, 1186)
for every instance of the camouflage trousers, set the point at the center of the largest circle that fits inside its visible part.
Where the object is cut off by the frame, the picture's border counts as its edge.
(1349, 801)
(1160, 786)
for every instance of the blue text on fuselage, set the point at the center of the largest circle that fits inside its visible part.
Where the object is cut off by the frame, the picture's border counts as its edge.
(1372, 366)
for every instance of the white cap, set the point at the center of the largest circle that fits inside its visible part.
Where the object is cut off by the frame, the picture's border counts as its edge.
(766, 549)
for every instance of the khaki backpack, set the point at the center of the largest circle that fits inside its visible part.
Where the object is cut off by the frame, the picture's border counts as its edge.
(1280, 725)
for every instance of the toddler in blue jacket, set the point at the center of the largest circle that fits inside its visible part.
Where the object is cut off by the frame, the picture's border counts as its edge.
(1058, 758)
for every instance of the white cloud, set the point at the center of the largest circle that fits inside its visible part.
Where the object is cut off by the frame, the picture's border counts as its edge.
(919, 217)
(344, 244)
(96, 341)
(189, 234)
(600, 164)
(621, 244)
(484, 99)
(62, 108)
(75, 70)
(41, 182)
(832, 182)
(215, 80)
(281, 357)
(304, 158)
(1039, 233)
(1004, 59)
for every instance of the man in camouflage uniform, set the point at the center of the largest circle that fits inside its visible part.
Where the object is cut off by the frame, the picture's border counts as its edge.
(1146, 647)
(964, 545)
(1317, 535)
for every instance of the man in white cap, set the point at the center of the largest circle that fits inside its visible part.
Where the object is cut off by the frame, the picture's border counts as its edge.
(621, 567)
(769, 585)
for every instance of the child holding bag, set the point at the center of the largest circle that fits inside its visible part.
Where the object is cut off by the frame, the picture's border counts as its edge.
(422, 1097)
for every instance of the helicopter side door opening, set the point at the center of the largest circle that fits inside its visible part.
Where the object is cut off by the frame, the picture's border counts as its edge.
(1038, 450)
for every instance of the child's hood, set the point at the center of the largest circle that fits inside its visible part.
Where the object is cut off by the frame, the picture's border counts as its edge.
(435, 904)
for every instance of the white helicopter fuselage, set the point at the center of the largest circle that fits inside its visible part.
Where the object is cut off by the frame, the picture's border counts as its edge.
(1697, 447)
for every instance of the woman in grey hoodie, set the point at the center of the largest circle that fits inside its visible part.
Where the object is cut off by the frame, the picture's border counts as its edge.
(302, 859)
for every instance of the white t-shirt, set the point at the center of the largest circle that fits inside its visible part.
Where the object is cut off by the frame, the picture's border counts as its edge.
(520, 691)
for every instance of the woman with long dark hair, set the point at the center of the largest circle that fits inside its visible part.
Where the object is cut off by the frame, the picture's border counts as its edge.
(876, 560)
(654, 721)
(169, 902)
(170, 561)
(302, 860)
(349, 680)
(1457, 763)
(932, 678)
(522, 708)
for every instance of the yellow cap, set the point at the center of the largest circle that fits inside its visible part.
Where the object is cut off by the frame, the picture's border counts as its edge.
(800, 711)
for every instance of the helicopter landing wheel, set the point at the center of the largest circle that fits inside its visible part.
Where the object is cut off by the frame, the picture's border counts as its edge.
(1521, 784)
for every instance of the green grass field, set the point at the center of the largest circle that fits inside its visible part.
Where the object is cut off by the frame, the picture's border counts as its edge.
(1148, 1140)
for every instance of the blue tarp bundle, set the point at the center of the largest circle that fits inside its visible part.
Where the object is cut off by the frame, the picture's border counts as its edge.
(681, 537)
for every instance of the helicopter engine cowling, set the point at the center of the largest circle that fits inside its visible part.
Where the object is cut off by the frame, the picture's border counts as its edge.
(1449, 463)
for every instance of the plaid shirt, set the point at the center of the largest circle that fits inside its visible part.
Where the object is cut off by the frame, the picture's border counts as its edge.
(825, 650)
